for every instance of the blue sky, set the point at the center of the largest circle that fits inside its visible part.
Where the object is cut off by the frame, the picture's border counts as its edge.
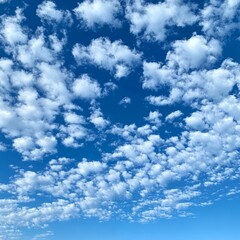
(119, 119)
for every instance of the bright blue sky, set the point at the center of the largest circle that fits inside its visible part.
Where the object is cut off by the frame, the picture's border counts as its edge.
(119, 119)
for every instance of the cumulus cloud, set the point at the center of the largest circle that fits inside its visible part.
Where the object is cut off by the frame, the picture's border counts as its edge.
(11, 30)
(194, 53)
(145, 19)
(98, 119)
(173, 115)
(185, 134)
(47, 11)
(86, 88)
(115, 57)
(94, 13)
(220, 18)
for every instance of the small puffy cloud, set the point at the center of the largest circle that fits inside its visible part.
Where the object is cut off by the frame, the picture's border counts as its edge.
(109, 87)
(196, 121)
(73, 118)
(48, 11)
(145, 18)
(86, 88)
(154, 118)
(98, 12)
(98, 119)
(85, 168)
(194, 53)
(112, 56)
(155, 75)
(173, 115)
(125, 101)
(11, 30)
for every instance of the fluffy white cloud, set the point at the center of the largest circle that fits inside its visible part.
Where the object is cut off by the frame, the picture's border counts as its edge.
(11, 30)
(189, 74)
(41, 86)
(154, 118)
(48, 11)
(86, 88)
(98, 12)
(194, 53)
(173, 115)
(47, 103)
(152, 20)
(220, 18)
(112, 56)
(98, 119)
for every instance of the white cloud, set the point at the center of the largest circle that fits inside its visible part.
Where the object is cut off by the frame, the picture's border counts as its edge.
(43, 103)
(11, 30)
(155, 75)
(112, 56)
(220, 18)
(86, 88)
(125, 101)
(48, 11)
(173, 115)
(154, 118)
(145, 18)
(194, 53)
(98, 119)
(99, 12)
(189, 85)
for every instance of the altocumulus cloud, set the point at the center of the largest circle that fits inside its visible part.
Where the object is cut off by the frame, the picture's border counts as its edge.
(113, 110)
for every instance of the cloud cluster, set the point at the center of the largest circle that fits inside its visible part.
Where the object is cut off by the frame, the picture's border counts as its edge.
(59, 92)
(115, 57)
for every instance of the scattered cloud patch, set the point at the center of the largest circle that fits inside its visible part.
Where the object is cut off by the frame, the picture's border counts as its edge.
(47, 11)
(125, 101)
(59, 100)
(115, 57)
(94, 13)
(146, 21)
